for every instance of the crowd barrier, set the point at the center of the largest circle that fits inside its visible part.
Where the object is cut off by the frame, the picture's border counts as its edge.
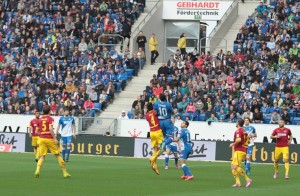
(141, 148)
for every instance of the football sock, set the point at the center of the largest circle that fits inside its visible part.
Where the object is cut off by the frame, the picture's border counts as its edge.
(39, 164)
(236, 176)
(68, 153)
(63, 152)
(242, 172)
(248, 165)
(176, 160)
(184, 169)
(62, 164)
(166, 160)
(157, 154)
(35, 153)
(187, 170)
(153, 154)
(287, 168)
(276, 167)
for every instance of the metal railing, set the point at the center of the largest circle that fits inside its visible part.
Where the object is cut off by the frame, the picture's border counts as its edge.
(221, 21)
(138, 27)
(122, 39)
(213, 47)
(97, 125)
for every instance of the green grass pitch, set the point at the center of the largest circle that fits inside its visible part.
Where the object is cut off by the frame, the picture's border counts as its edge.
(96, 175)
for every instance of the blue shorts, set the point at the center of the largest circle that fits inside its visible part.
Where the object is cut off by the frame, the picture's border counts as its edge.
(173, 149)
(184, 154)
(66, 140)
(166, 126)
(249, 150)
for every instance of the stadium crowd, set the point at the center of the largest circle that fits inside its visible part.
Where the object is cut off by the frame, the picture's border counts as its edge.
(259, 79)
(61, 53)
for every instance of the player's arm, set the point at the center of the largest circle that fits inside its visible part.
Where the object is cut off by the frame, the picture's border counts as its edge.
(29, 130)
(74, 128)
(238, 139)
(290, 138)
(51, 129)
(254, 134)
(57, 129)
(274, 135)
(179, 137)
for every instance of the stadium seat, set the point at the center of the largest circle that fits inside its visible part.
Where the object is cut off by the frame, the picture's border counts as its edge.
(129, 73)
(130, 114)
(296, 120)
(97, 107)
(201, 117)
(184, 115)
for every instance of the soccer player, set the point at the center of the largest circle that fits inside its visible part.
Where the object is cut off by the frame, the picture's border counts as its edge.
(185, 146)
(68, 129)
(156, 135)
(284, 137)
(172, 148)
(33, 131)
(240, 145)
(252, 135)
(164, 112)
(47, 142)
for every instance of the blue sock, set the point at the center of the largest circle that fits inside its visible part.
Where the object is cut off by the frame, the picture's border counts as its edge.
(68, 153)
(166, 160)
(169, 140)
(63, 152)
(187, 170)
(184, 170)
(247, 165)
(176, 160)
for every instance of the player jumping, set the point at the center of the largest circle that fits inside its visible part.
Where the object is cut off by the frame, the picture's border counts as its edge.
(33, 131)
(164, 112)
(68, 130)
(172, 148)
(156, 136)
(185, 148)
(252, 135)
(240, 146)
(47, 142)
(283, 138)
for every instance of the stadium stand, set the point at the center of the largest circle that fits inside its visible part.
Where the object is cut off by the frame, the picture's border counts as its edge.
(258, 79)
(62, 54)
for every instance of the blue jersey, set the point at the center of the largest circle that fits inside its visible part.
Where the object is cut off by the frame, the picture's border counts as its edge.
(66, 123)
(250, 130)
(184, 142)
(164, 110)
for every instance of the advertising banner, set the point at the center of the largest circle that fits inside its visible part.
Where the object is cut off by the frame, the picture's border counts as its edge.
(217, 131)
(98, 145)
(16, 140)
(262, 153)
(194, 10)
(5, 147)
(202, 150)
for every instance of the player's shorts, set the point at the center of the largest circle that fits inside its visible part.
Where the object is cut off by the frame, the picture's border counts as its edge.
(184, 154)
(47, 144)
(66, 140)
(166, 126)
(281, 151)
(249, 150)
(34, 140)
(238, 157)
(156, 138)
(172, 148)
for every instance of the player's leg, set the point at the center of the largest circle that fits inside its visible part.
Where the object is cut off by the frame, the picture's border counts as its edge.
(69, 141)
(248, 160)
(167, 154)
(64, 147)
(42, 153)
(240, 157)
(286, 161)
(234, 168)
(175, 153)
(155, 141)
(187, 175)
(276, 160)
(34, 145)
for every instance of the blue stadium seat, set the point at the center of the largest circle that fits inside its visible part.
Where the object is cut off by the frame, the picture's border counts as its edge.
(201, 117)
(296, 120)
(130, 114)
(184, 115)
(97, 107)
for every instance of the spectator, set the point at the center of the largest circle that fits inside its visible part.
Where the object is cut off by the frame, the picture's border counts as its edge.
(181, 44)
(275, 117)
(153, 48)
(286, 117)
(248, 114)
(190, 108)
(141, 40)
(123, 115)
(257, 116)
(212, 118)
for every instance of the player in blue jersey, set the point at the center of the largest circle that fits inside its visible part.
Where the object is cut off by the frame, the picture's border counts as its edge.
(185, 146)
(68, 129)
(252, 135)
(164, 112)
(172, 148)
